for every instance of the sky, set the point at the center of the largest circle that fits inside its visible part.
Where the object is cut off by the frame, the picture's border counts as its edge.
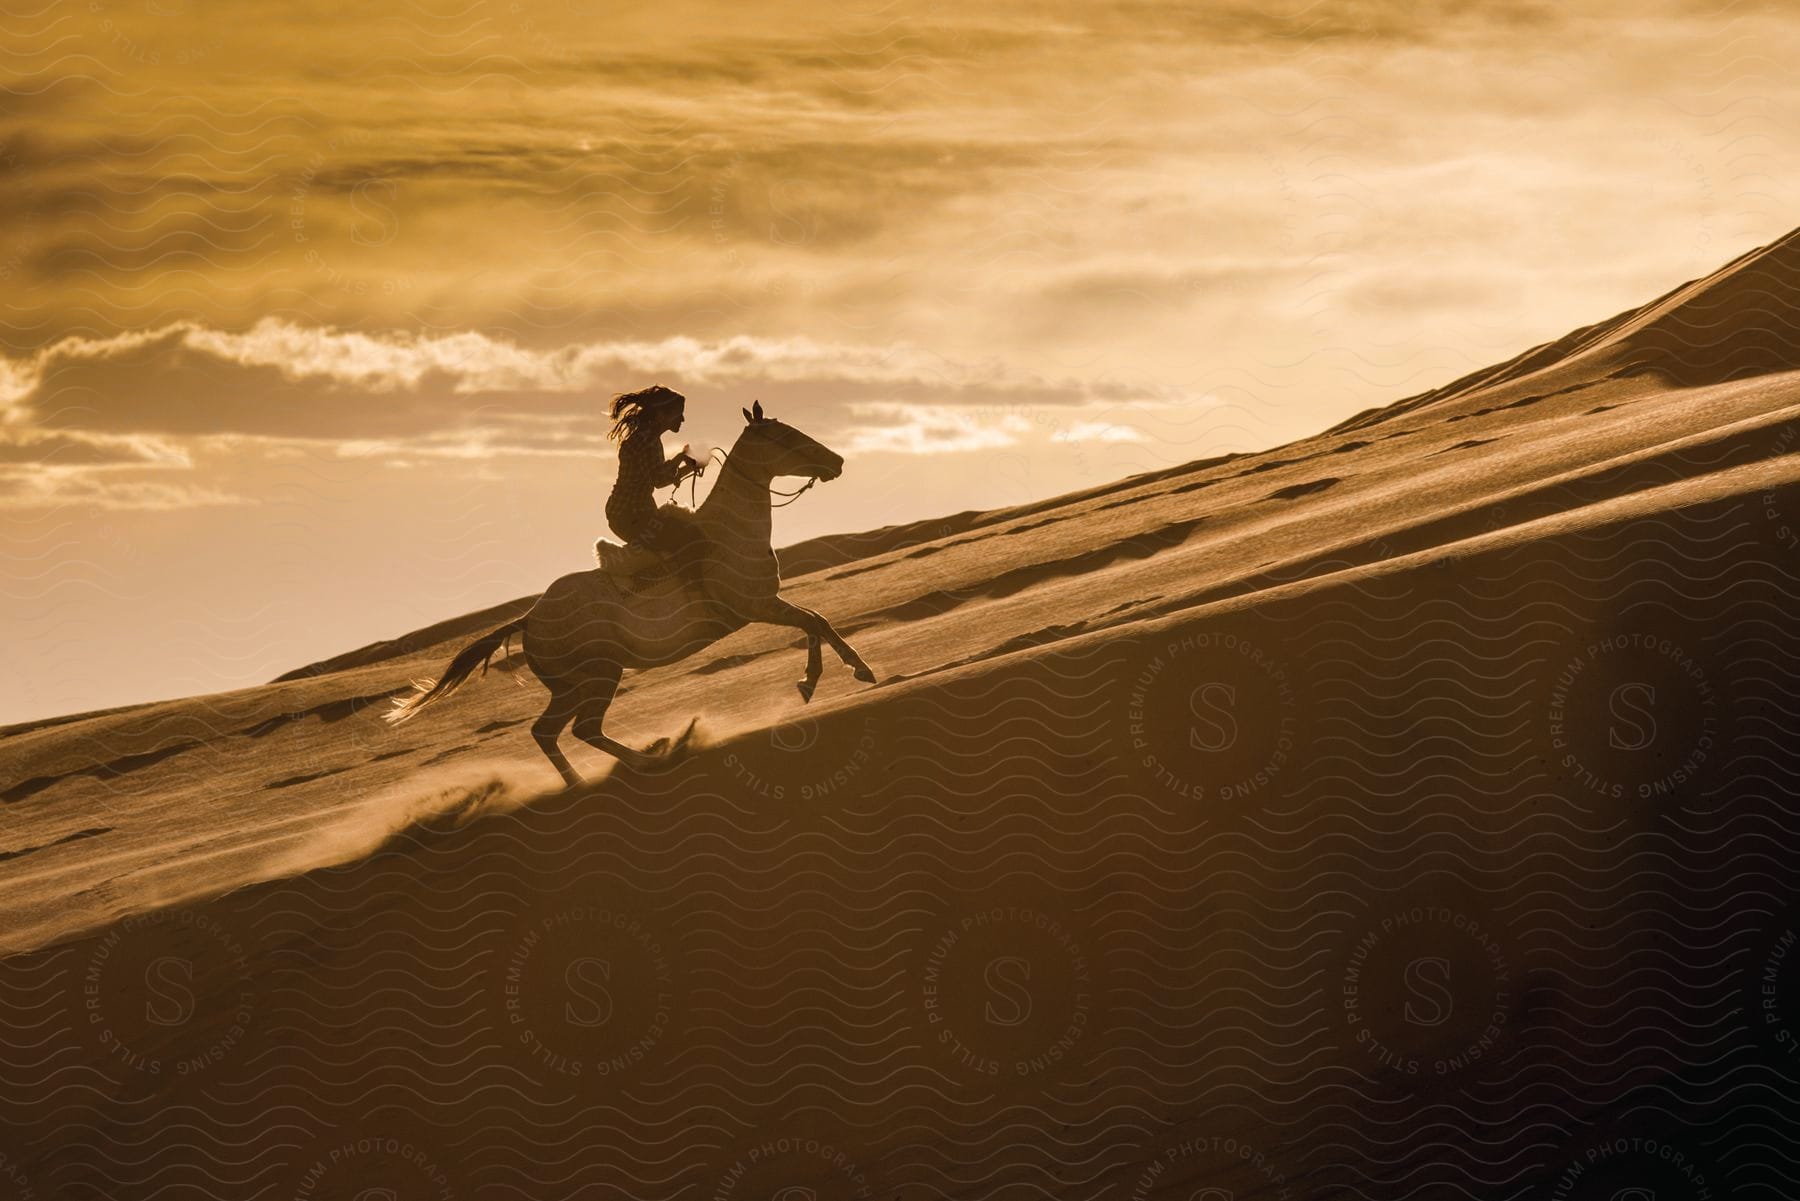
(311, 310)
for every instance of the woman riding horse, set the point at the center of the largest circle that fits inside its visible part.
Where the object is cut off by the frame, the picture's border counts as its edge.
(639, 421)
(587, 629)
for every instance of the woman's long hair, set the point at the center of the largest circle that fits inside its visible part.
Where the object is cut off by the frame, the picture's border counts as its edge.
(629, 409)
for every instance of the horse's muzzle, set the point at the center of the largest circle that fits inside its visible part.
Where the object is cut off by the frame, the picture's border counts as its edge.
(832, 469)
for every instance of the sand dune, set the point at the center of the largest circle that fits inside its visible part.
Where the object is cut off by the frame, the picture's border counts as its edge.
(1404, 811)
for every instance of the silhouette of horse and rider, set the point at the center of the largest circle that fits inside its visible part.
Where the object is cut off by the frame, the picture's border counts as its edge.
(681, 581)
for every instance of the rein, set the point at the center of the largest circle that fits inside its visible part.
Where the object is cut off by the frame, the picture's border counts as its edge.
(791, 496)
(722, 456)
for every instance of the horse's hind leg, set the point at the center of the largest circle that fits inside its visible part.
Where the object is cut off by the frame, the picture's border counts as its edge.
(815, 666)
(591, 703)
(548, 726)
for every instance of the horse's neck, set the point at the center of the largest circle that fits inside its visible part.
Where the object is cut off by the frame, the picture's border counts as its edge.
(737, 510)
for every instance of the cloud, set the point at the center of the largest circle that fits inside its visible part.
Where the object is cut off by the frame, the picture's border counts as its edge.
(477, 362)
(190, 397)
(1097, 431)
(50, 468)
(479, 445)
(20, 378)
(60, 487)
(929, 430)
(280, 377)
(1324, 203)
(77, 449)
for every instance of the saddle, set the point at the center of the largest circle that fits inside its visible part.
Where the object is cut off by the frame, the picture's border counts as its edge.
(646, 571)
(632, 566)
(652, 581)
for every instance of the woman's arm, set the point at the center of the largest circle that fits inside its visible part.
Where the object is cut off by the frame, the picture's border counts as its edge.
(670, 471)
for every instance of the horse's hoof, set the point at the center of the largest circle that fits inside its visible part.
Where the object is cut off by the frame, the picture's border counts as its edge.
(664, 753)
(806, 689)
(865, 675)
(679, 748)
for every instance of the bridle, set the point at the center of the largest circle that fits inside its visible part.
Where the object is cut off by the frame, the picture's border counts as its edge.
(723, 456)
(791, 496)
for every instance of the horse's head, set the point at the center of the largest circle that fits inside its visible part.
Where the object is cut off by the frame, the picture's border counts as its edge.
(787, 451)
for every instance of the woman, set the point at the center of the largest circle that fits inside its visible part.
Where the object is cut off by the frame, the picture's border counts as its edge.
(639, 421)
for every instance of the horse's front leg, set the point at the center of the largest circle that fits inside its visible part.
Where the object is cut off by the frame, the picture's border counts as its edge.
(777, 611)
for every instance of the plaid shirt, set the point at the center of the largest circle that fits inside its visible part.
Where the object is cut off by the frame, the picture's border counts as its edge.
(642, 470)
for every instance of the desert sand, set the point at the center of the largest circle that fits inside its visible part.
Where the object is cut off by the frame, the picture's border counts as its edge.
(1406, 811)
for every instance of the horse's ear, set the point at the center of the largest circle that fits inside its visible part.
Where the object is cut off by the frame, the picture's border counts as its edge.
(747, 416)
(756, 412)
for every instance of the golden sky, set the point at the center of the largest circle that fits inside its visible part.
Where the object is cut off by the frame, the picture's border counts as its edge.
(311, 308)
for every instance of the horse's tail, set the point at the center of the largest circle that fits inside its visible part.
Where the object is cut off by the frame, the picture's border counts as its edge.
(474, 655)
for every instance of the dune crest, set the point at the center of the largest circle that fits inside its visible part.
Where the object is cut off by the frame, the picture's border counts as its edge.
(1743, 320)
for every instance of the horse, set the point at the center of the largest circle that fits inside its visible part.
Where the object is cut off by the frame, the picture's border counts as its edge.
(589, 626)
